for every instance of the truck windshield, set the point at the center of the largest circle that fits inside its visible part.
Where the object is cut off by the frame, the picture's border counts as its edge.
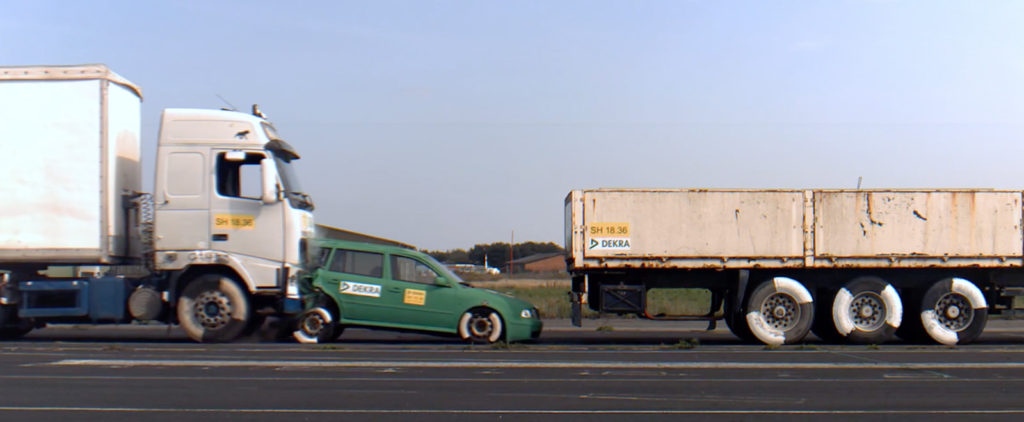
(284, 154)
(293, 191)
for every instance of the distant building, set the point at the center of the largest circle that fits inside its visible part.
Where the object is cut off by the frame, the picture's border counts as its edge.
(539, 263)
(472, 268)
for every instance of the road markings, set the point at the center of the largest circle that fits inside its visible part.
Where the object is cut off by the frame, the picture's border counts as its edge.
(517, 411)
(668, 378)
(533, 364)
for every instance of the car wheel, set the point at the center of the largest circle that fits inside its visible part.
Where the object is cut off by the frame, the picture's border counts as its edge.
(317, 325)
(481, 325)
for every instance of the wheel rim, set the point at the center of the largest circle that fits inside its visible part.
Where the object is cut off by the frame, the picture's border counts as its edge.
(780, 311)
(867, 311)
(212, 309)
(480, 326)
(954, 311)
(313, 324)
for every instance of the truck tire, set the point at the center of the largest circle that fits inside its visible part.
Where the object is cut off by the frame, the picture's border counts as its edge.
(780, 311)
(213, 309)
(953, 311)
(867, 310)
(737, 322)
(12, 327)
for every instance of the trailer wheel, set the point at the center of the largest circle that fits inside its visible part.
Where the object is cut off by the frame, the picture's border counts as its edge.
(867, 310)
(213, 309)
(317, 325)
(953, 311)
(481, 325)
(780, 311)
(736, 321)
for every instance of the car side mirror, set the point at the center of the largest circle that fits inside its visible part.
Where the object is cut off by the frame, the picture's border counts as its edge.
(441, 281)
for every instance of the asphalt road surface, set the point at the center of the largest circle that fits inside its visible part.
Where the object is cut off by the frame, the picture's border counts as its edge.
(628, 370)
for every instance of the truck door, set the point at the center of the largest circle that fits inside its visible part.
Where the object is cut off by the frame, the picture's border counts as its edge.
(240, 223)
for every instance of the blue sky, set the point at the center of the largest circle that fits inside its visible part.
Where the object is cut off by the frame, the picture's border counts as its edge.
(449, 123)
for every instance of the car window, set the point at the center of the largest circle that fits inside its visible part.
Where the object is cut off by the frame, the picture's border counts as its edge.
(357, 262)
(408, 269)
(322, 259)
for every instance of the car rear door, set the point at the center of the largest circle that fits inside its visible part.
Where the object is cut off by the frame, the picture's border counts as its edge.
(356, 278)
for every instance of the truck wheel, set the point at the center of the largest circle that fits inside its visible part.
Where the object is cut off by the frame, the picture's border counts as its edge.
(867, 310)
(317, 325)
(737, 322)
(12, 326)
(213, 309)
(481, 325)
(953, 311)
(780, 311)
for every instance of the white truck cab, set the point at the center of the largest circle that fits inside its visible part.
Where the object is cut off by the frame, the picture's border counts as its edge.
(227, 201)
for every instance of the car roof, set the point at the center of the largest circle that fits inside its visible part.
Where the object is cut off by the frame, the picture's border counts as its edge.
(367, 247)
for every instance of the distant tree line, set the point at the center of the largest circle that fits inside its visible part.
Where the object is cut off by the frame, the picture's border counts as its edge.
(496, 253)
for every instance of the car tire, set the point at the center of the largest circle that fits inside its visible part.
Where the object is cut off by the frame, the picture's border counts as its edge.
(317, 325)
(481, 325)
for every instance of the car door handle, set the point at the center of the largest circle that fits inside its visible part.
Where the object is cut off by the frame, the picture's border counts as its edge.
(394, 290)
(220, 237)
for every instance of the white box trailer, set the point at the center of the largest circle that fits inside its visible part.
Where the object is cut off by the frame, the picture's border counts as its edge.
(847, 263)
(71, 138)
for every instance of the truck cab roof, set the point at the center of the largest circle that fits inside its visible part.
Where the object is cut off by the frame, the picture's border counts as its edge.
(195, 126)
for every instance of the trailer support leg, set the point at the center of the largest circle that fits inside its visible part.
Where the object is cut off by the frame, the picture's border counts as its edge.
(576, 315)
(716, 302)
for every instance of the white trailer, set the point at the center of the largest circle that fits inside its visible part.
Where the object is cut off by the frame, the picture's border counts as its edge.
(853, 265)
(79, 241)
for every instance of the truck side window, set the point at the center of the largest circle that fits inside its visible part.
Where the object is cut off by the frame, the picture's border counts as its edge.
(359, 263)
(240, 179)
(411, 270)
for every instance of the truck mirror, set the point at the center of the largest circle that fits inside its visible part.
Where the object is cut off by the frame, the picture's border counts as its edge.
(269, 172)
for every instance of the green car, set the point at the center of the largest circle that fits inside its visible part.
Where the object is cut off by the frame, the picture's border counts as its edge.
(390, 287)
